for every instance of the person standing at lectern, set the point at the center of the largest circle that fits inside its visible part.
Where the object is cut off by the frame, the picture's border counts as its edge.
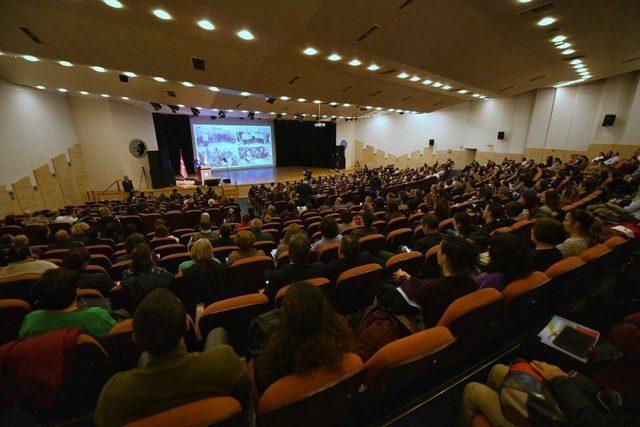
(127, 186)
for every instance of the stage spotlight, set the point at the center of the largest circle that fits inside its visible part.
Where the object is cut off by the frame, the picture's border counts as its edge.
(212, 117)
(174, 108)
(156, 106)
(195, 112)
(222, 114)
(251, 115)
(271, 100)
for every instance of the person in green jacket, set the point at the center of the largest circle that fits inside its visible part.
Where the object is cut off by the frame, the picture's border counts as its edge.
(56, 294)
(170, 377)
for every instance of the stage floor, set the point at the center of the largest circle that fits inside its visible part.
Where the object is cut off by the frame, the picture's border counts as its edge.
(267, 175)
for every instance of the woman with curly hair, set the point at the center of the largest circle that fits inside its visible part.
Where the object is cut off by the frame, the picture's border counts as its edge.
(509, 259)
(311, 335)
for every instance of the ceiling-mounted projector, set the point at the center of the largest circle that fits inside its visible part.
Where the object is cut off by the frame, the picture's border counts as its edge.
(319, 125)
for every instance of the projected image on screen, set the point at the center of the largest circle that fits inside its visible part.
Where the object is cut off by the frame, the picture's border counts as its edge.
(240, 146)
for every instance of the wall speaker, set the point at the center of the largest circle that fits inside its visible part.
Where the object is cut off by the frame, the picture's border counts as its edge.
(432, 142)
(609, 119)
(227, 181)
(501, 134)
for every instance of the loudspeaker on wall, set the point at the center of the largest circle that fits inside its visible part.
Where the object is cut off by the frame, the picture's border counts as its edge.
(609, 119)
(501, 134)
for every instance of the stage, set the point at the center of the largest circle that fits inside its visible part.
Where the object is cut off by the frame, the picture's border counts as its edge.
(257, 175)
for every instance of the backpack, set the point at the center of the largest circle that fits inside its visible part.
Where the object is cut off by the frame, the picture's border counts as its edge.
(260, 330)
(526, 399)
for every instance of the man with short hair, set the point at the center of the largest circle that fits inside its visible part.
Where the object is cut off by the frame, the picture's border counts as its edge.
(77, 260)
(432, 235)
(493, 216)
(224, 238)
(205, 232)
(24, 263)
(299, 268)
(256, 229)
(349, 256)
(368, 219)
(62, 241)
(171, 377)
(129, 244)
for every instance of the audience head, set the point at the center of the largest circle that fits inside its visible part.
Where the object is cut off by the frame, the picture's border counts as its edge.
(245, 240)
(56, 289)
(579, 222)
(552, 200)
(161, 231)
(457, 256)
(328, 228)
(159, 322)
(481, 240)
(142, 258)
(299, 248)
(246, 218)
(513, 209)
(368, 219)
(492, 212)
(429, 222)
(548, 231)
(76, 259)
(7, 239)
(61, 236)
(79, 229)
(133, 240)
(462, 222)
(202, 250)
(205, 224)
(511, 256)
(346, 216)
(225, 231)
(19, 253)
(10, 219)
(256, 226)
(349, 246)
(21, 240)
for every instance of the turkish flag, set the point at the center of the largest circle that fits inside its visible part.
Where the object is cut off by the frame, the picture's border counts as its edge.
(183, 168)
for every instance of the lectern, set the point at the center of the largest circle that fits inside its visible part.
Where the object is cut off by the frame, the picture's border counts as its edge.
(204, 173)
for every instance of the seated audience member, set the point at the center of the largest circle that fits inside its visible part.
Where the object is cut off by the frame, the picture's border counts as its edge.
(330, 234)
(513, 211)
(552, 202)
(349, 256)
(202, 279)
(22, 262)
(493, 217)
(65, 217)
(41, 235)
(56, 295)
(244, 223)
(299, 268)
(205, 232)
(225, 238)
(244, 240)
(269, 213)
(432, 236)
(546, 234)
(310, 336)
(76, 260)
(162, 232)
(457, 258)
(171, 377)
(289, 232)
(62, 241)
(570, 194)
(578, 404)
(583, 229)
(290, 213)
(202, 252)
(80, 233)
(129, 244)
(394, 209)
(346, 220)
(462, 224)
(256, 229)
(143, 275)
(509, 260)
(532, 206)
(10, 219)
(367, 226)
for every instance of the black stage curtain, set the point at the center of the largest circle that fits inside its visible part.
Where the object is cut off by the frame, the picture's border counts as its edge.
(173, 133)
(302, 144)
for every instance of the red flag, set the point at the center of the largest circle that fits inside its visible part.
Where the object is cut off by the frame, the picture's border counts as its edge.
(183, 168)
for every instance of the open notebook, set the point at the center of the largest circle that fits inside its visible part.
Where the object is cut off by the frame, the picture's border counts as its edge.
(569, 337)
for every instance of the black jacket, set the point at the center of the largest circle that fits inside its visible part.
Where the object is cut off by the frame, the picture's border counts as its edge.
(339, 266)
(203, 282)
(290, 274)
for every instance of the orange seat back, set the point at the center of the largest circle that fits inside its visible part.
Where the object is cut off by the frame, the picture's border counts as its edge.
(563, 266)
(200, 413)
(615, 241)
(522, 286)
(411, 262)
(594, 252)
(470, 311)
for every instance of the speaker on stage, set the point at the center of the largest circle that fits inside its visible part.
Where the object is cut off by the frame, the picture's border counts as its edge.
(162, 175)
(338, 157)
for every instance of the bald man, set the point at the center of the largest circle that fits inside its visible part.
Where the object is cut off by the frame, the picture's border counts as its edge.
(62, 241)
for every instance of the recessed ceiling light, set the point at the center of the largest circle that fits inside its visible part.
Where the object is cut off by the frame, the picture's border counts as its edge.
(354, 62)
(403, 75)
(162, 14)
(130, 74)
(463, 91)
(245, 93)
(160, 79)
(576, 61)
(524, 1)
(558, 39)
(414, 78)
(334, 57)
(317, 101)
(214, 89)
(568, 52)
(284, 98)
(126, 98)
(373, 67)
(40, 87)
(482, 96)
(426, 82)
(476, 95)
(547, 20)
(30, 58)
(392, 109)
(563, 46)
(368, 107)
(437, 84)
(98, 69)
(446, 87)
(284, 114)
(205, 24)
(245, 35)
(65, 63)
(63, 90)
(333, 104)
(181, 105)
(84, 92)
(187, 84)
(578, 66)
(272, 113)
(113, 3)
(302, 100)
(244, 111)
(346, 104)
(104, 95)
(310, 51)
(257, 112)
(378, 108)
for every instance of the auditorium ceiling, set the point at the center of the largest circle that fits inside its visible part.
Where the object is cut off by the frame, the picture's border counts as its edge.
(473, 49)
